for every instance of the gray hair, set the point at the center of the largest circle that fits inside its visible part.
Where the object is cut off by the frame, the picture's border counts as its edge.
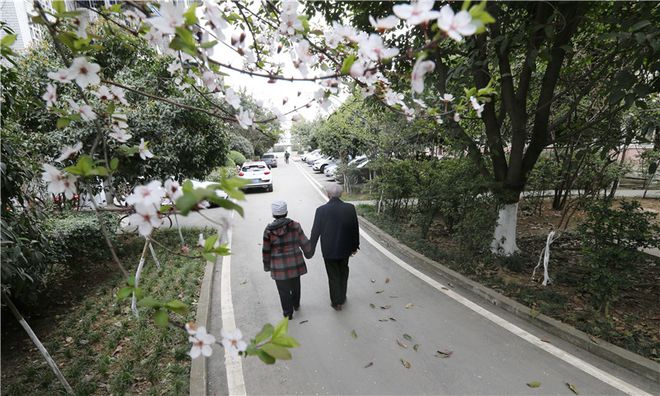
(333, 190)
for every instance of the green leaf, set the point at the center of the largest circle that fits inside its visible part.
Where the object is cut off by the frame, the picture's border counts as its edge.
(407, 337)
(59, 6)
(8, 40)
(161, 318)
(286, 341)
(281, 328)
(222, 250)
(176, 306)
(184, 41)
(210, 241)
(124, 292)
(210, 257)
(209, 44)
(115, 8)
(277, 351)
(227, 204)
(149, 302)
(186, 202)
(114, 164)
(266, 358)
(640, 25)
(63, 122)
(190, 16)
(348, 62)
(354, 333)
(139, 294)
(165, 208)
(131, 280)
(534, 384)
(264, 334)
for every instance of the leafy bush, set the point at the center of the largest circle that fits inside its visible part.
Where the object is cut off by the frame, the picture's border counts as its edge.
(395, 184)
(76, 237)
(611, 239)
(236, 157)
(543, 177)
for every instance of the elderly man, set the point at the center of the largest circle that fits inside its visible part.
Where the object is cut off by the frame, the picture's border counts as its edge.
(336, 224)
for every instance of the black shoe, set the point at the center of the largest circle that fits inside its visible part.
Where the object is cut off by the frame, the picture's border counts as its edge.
(336, 307)
(296, 308)
(290, 316)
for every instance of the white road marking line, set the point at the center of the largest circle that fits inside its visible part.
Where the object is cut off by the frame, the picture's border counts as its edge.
(532, 339)
(233, 367)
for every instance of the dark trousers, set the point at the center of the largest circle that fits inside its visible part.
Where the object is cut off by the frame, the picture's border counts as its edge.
(289, 290)
(337, 279)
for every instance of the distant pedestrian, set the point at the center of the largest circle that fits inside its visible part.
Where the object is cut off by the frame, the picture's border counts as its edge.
(336, 224)
(286, 156)
(283, 242)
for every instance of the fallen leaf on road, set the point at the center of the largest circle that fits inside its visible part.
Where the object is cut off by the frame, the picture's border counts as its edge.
(383, 320)
(409, 305)
(594, 339)
(369, 364)
(244, 282)
(401, 344)
(534, 384)
(443, 354)
(394, 296)
(117, 350)
(385, 306)
(387, 280)
(407, 337)
(353, 333)
(372, 305)
(392, 319)
(379, 291)
(406, 363)
(546, 340)
(303, 321)
(572, 388)
(416, 347)
(69, 340)
(373, 281)
(450, 284)
(443, 288)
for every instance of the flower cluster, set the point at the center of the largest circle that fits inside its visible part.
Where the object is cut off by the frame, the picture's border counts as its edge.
(146, 201)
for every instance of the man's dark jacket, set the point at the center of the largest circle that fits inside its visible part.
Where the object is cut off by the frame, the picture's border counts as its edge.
(337, 224)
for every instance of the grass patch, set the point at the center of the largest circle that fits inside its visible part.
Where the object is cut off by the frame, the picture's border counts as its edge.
(101, 347)
(633, 320)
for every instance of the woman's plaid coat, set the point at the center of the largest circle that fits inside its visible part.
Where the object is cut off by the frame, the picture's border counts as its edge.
(283, 247)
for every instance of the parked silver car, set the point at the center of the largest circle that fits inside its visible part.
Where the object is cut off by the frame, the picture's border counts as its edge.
(270, 159)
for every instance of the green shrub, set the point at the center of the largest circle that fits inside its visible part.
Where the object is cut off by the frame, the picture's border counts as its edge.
(76, 237)
(395, 184)
(236, 157)
(611, 241)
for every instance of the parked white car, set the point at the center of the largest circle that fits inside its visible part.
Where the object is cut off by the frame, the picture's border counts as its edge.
(257, 174)
(319, 166)
(314, 152)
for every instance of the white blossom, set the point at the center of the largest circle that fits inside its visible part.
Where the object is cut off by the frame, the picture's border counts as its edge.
(333, 36)
(171, 17)
(201, 343)
(191, 327)
(209, 80)
(134, 16)
(374, 49)
(393, 98)
(144, 150)
(200, 240)
(50, 96)
(457, 117)
(245, 118)
(416, 13)
(173, 190)
(289, 21)
(146, 218)
(81, 21)
(84, 72)
(85, 111)
(420, 102)
(419, 71)
(215, 19)
(383, 24)
(59, 182)
(368, 91)
(357, 69)
(409, 112)
(456, 25)
(479, 108)
(104, 93)
(68, 151)
(174, 66)
(118, 93)
(120, 135)
(233, 342)
(62, 75)
(232, 98)
(447, 97)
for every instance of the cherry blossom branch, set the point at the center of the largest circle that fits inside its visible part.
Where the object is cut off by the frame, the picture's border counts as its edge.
(254, 37)
(152, 240)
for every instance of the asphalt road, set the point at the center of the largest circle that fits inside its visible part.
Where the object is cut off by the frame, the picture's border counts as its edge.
(487, 356)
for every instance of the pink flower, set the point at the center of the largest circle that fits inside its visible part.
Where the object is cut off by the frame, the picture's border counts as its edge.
(383, 24)
(50, 96)
(146, 218)
(84, 72)
(232, 341)
(171, 17)
(419, 71)
(144, 151)
(68, 151)
(59, 182)
(201, 343)
(456, 26)
(62, 75)
(416, 13)
(374, 49)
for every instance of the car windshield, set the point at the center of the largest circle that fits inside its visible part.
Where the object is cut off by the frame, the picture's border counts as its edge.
(253, 168)
(267, 156)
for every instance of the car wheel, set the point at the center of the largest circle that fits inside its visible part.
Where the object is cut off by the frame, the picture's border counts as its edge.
(270, 188)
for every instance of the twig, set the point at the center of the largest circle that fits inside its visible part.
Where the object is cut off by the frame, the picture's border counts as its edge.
(137, 277)
(38, 344)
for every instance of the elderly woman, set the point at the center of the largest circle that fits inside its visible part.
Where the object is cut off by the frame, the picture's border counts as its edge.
(282, 250)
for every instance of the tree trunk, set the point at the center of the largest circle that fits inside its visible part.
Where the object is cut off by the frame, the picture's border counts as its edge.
(504, 238)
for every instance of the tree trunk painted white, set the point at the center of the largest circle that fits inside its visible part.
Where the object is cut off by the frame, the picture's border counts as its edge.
(504, 239)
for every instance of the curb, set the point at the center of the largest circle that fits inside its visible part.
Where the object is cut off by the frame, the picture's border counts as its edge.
(624, 358)
(198, 368)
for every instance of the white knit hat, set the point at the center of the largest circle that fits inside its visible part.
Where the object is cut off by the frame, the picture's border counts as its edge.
(279, 208)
